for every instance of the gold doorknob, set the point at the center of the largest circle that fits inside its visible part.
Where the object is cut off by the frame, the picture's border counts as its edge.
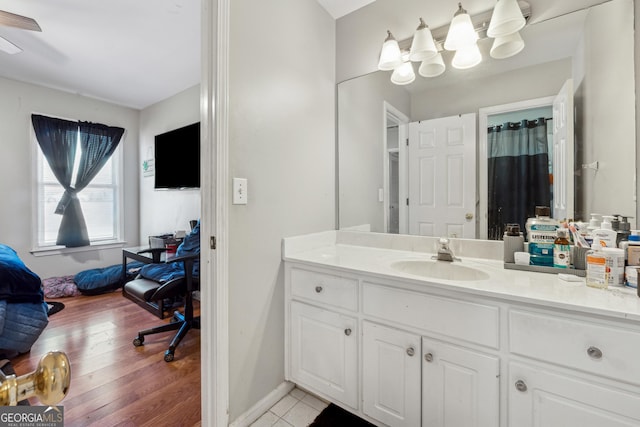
(468, 216)
(49, 382)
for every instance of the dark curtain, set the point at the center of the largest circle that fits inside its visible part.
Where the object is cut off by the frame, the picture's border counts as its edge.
(58, 140)
(518, 167)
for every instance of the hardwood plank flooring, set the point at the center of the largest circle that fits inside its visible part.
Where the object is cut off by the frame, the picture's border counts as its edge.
(114, 383)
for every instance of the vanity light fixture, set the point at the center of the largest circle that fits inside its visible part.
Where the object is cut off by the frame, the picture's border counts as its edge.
(506, 19)
(461, 33)
(432, 67)
(506, 46)
(390, 56)
(422, 47)
(503, 24)
(404, 74)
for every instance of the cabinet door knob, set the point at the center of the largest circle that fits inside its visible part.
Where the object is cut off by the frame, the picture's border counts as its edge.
(411, 351)
(347, 332)
(521, 386)
(428, 357)
(318, 289)
(594, 352)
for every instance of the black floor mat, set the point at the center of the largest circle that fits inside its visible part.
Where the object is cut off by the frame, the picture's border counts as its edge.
(334, 416)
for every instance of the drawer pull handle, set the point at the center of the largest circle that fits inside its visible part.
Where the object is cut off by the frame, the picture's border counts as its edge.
(318, 289)
(521, 386)
(428, 357)
(411, 351)
(347, 332)
(594, 352)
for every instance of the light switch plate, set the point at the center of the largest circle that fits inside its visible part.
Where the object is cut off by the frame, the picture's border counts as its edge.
(240, 195)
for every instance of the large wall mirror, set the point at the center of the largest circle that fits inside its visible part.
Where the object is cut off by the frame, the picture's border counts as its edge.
(592, 49)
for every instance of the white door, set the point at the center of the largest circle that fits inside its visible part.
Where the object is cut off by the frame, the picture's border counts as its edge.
(442, 177)
(390, 375)
(563, 163)
(541, 398)
(324, 352)
(460, 387)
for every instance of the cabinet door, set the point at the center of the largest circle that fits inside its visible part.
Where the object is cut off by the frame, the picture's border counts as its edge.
(542, 398)
(460, 387)
(324, 351)
(390, 375)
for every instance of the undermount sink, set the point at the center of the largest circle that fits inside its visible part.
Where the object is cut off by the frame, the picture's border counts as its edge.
(439, 270)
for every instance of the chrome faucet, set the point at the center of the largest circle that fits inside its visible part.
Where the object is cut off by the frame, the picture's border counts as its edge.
(444, 251)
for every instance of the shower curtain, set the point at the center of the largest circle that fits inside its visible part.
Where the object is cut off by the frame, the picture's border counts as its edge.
(518, 167)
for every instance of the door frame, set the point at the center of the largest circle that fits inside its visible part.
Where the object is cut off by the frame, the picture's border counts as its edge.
(389, 112)
(483, 181)
(215, 197)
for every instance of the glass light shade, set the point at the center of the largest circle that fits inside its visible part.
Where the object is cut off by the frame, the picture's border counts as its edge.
(432, 67)
(390, 56)
(506, 19)
(403, 75)
(422, 47)
(461, 32)
(467, 57)
(504, 47)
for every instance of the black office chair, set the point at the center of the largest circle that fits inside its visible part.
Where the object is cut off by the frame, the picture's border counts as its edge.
(183, 322)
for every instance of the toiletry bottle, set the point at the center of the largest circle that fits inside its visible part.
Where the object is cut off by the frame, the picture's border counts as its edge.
(632, 248)
(605, 235)
(513, 242)
(615, 264)
(597, 270)
(562, 249)
(541, 233)
(624, 230)
(594, 224)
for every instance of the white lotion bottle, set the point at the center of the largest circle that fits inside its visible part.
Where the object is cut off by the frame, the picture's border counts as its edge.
(605, 235)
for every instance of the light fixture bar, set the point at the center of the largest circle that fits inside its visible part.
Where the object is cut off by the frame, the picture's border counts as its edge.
(480, 24)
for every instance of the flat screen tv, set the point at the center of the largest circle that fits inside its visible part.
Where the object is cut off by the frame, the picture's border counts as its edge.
(177, 158)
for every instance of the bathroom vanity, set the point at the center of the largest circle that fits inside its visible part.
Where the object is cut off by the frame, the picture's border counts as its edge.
(375, 325)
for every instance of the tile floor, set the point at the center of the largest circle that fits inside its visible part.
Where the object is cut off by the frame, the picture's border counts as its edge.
(296, 409)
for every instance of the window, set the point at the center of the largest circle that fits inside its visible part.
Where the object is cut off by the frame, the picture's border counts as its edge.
(100, 201)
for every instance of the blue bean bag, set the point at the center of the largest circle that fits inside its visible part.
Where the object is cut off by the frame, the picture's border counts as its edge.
(102, 280)
(23, 312)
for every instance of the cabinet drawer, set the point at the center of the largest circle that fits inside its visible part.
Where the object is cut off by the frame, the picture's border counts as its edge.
(325, 288)
(471, 322)
(592, 347)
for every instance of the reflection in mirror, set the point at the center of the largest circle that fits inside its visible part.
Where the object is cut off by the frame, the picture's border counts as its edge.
(603, 91)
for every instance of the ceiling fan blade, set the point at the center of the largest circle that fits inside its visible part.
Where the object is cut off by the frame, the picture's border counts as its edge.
(18, 21)
(8, 47)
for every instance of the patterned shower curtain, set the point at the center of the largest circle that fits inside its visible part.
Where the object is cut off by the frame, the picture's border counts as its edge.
(518, 167)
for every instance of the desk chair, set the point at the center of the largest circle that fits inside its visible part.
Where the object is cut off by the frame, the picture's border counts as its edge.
(182, 322)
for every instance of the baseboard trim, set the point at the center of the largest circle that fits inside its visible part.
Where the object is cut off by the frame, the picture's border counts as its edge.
(263, 405)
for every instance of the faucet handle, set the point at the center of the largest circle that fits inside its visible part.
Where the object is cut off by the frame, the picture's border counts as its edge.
(444, 241)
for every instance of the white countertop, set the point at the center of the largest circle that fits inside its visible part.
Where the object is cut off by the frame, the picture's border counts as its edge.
(543, 289)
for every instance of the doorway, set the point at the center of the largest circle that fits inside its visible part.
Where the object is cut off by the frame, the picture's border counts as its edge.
(394, 191)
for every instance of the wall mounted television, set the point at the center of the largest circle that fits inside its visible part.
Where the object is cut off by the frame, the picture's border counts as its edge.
(177, 158)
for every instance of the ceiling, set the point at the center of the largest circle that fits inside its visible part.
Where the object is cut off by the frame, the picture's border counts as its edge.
(131, 53)
(136, 53)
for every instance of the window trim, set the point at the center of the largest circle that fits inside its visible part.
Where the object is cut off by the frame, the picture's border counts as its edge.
(36, 178)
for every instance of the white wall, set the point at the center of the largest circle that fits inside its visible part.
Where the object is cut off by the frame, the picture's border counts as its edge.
(165, 211)
(282, 138)
(606, 112)
(17, 102)
(360, 137)
(469, 95)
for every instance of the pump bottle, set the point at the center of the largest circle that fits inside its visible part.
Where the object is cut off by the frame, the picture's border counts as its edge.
(605, 236)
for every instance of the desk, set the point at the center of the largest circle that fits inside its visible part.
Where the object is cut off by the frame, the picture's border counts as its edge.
(154, 257)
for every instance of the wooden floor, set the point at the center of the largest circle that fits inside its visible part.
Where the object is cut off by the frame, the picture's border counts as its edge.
(114, 383)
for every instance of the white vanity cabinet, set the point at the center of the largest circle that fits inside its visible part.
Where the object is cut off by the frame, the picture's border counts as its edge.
(572, 371)
(403, 352)
(391, 375)
(322, 336)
